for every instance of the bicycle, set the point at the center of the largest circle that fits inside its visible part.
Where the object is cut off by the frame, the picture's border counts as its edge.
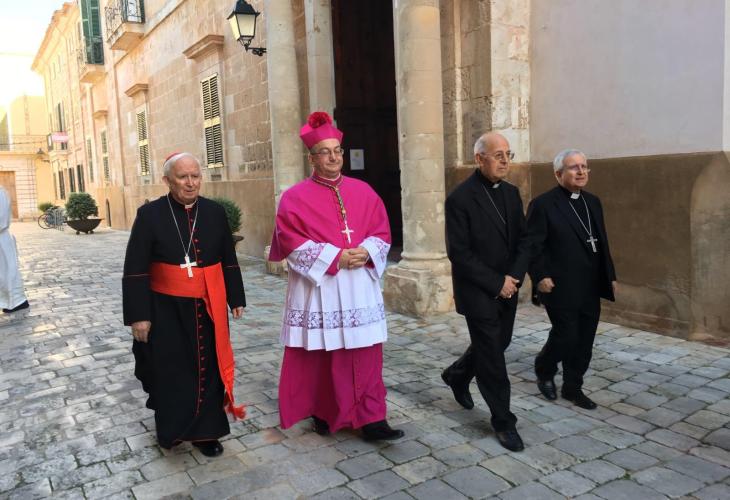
(54, 217)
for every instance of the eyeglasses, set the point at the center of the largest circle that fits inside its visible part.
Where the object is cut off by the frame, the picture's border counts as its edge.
(338, 151)
(577, 168)
(500, 155)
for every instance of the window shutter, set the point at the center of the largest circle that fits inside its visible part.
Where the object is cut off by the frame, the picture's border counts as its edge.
(90, 159)
(105, 155)
(212, 122)
(143, 143)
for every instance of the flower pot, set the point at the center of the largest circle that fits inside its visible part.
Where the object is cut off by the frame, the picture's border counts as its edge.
(83, 225)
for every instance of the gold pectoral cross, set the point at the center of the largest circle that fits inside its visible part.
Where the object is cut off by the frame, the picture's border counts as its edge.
(189, 265)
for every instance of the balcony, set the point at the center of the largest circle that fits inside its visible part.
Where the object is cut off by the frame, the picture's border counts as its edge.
(124, 23)
(91, 62)
(24, 144)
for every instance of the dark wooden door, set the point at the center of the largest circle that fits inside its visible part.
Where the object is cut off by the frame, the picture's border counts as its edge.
(366, 104)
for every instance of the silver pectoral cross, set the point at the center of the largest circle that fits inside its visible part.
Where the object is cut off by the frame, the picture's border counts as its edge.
(189, 265)
(592, 242)
(347, 232)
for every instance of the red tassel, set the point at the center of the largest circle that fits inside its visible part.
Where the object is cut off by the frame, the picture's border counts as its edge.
(319, 118)
(238, 412)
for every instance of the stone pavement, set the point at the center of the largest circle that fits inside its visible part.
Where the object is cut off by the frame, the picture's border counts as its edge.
(73, 422)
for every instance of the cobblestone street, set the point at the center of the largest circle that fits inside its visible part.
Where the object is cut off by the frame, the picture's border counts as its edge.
(73, 422)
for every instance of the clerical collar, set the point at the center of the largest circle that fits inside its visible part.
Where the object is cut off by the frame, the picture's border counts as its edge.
(181, 205)
(487, 182)
(327, 182)
(570, 194)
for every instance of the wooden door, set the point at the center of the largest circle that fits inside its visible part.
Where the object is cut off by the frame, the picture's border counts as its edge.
(365, 94)
(7, 180)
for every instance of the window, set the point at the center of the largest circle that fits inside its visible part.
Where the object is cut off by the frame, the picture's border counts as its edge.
(80, 177)
(61, 185)
(61, 123)
(105, 155)
(90, 159)
(212, 122)
(91, 23)
(71, 180)
(143, 143)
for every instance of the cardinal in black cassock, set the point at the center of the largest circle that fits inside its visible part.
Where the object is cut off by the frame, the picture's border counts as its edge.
(180, 276)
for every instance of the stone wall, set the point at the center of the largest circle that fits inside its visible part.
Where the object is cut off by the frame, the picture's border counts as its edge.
(668, 230)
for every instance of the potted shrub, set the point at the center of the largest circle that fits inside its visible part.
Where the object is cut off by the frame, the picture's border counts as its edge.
(79, 209)
(233, 214)
(45, 206)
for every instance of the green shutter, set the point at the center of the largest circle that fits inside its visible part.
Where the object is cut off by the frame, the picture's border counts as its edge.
(91, 23)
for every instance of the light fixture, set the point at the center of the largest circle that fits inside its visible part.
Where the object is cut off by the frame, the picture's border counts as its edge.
(243, 25)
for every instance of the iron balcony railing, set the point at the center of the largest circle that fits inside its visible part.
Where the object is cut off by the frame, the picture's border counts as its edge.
(22, 143)
(123, 11)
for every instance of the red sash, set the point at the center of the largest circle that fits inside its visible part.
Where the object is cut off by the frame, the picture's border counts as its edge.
(207, 284)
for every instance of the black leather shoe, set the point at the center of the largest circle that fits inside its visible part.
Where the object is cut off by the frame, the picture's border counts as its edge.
(321, 427)
(547, 388)
(510, 440)
(209, 448)
(580, 399)
(380, 431)
(461, 393)
(24, 305)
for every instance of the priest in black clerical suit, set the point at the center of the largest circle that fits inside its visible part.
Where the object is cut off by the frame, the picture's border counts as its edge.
(572, 270)
(485, 229)
(180, 277)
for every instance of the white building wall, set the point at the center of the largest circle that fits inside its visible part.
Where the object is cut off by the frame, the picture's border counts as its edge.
(628, 77)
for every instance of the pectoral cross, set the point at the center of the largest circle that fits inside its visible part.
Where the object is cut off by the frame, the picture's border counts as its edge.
(347, 232)
(189, 265)
(592, 241)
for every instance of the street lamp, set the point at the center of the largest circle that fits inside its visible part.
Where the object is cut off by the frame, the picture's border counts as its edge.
(243, 25)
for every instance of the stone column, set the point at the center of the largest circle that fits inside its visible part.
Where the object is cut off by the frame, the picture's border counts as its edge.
(420, 284)
(320, 55)
(284, 105)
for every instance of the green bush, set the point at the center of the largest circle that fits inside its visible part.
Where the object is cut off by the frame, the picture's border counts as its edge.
(81, 206)
(45, 206)
(233, 213)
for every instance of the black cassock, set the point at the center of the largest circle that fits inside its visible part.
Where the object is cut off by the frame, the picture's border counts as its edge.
(178, 366)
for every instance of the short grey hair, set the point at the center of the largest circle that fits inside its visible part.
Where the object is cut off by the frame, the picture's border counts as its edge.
(170, 162)
(480, 146)
(559, 161)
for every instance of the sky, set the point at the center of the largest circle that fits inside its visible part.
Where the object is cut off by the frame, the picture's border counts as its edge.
(23, 24)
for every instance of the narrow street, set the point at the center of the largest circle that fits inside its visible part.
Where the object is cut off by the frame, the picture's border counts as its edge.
(73, 422)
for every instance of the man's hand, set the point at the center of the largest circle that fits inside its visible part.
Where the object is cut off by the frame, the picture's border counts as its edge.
(237, 312)
(353, 258)
(546, 285)
(614, 287)
(509, 288)
(141, 330)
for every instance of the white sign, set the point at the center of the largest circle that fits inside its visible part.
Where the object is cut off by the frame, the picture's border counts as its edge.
(59, 137)
(357, 159)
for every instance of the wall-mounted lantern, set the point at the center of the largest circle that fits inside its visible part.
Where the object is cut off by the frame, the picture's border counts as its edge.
(243, 25)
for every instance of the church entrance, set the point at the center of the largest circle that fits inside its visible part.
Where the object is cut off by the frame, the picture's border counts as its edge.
(366, 104)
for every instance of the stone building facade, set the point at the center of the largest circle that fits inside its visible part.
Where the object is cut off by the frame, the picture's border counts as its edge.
(413, 83)
(24, 169)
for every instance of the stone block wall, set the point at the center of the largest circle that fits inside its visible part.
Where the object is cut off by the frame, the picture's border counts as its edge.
(668, 230)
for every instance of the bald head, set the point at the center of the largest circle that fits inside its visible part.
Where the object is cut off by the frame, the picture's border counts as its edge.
(492, 154)
(490, 142)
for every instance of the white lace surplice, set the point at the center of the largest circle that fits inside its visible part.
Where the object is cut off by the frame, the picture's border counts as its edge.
(329, 312)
